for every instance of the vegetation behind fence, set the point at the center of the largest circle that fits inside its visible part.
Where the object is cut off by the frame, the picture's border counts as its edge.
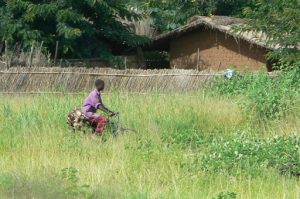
(74, 80)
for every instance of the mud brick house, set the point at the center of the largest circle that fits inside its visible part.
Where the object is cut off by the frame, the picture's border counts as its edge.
(209, 43)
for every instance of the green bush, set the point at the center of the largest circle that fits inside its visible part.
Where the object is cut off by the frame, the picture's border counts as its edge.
(225, 195)
(183, 133)
(187, 138)
(233, 153)
(7, 183)
(73, 186)
(266, 96)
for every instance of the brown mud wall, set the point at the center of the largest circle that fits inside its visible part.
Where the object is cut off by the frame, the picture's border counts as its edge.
(217, 51)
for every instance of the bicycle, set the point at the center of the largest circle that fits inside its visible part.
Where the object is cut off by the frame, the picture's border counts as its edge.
(77, 121)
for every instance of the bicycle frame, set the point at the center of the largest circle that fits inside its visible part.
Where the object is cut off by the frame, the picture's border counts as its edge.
(116, 126)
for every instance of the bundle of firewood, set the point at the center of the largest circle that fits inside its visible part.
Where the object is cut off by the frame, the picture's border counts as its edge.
(76, 120)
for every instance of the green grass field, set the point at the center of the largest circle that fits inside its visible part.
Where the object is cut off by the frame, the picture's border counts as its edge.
(39, 158)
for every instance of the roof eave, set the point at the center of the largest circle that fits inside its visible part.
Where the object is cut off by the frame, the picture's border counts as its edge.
(166, 37)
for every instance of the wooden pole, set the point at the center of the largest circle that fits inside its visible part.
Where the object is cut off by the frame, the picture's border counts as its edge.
(6, 46)
(40, 49)
(30, 56)
(141, 58)
(56, 52)
(125, 62)
(38, 55)
(219, 66)
(198, 59)
(6, 54)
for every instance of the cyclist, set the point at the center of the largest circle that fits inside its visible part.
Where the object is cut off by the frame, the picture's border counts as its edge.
(93, 103)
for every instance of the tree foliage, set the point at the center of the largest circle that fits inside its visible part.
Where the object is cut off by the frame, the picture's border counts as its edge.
(94, 28)
(170, 14)
(280, 21)
(84, 28)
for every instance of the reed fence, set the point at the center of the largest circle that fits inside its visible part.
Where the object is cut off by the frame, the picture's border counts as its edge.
(74, 80)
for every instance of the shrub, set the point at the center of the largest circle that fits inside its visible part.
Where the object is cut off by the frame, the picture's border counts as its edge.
(225, 195)
(267, 97)
(74, 188)
(230, 154)
(186, 138)
(7, 183)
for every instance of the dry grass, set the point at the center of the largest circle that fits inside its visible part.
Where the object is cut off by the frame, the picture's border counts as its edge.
(82, 79)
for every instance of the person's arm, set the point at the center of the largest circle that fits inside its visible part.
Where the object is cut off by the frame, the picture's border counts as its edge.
(100, 106)
(106, 110)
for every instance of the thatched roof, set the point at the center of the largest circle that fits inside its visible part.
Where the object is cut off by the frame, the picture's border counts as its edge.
(221, 23)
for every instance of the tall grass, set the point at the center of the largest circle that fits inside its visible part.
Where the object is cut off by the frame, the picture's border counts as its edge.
(40, 159)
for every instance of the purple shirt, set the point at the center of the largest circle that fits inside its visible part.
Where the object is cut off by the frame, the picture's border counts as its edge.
(91, 104)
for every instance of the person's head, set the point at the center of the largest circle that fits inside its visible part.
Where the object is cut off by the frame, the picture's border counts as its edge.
(99, 85)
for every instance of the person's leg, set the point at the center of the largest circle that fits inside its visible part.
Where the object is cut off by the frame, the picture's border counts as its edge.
(101, 123)
(98, 121)
(93, 119)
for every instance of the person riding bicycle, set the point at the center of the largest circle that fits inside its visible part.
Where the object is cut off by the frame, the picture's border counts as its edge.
(93, 103)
